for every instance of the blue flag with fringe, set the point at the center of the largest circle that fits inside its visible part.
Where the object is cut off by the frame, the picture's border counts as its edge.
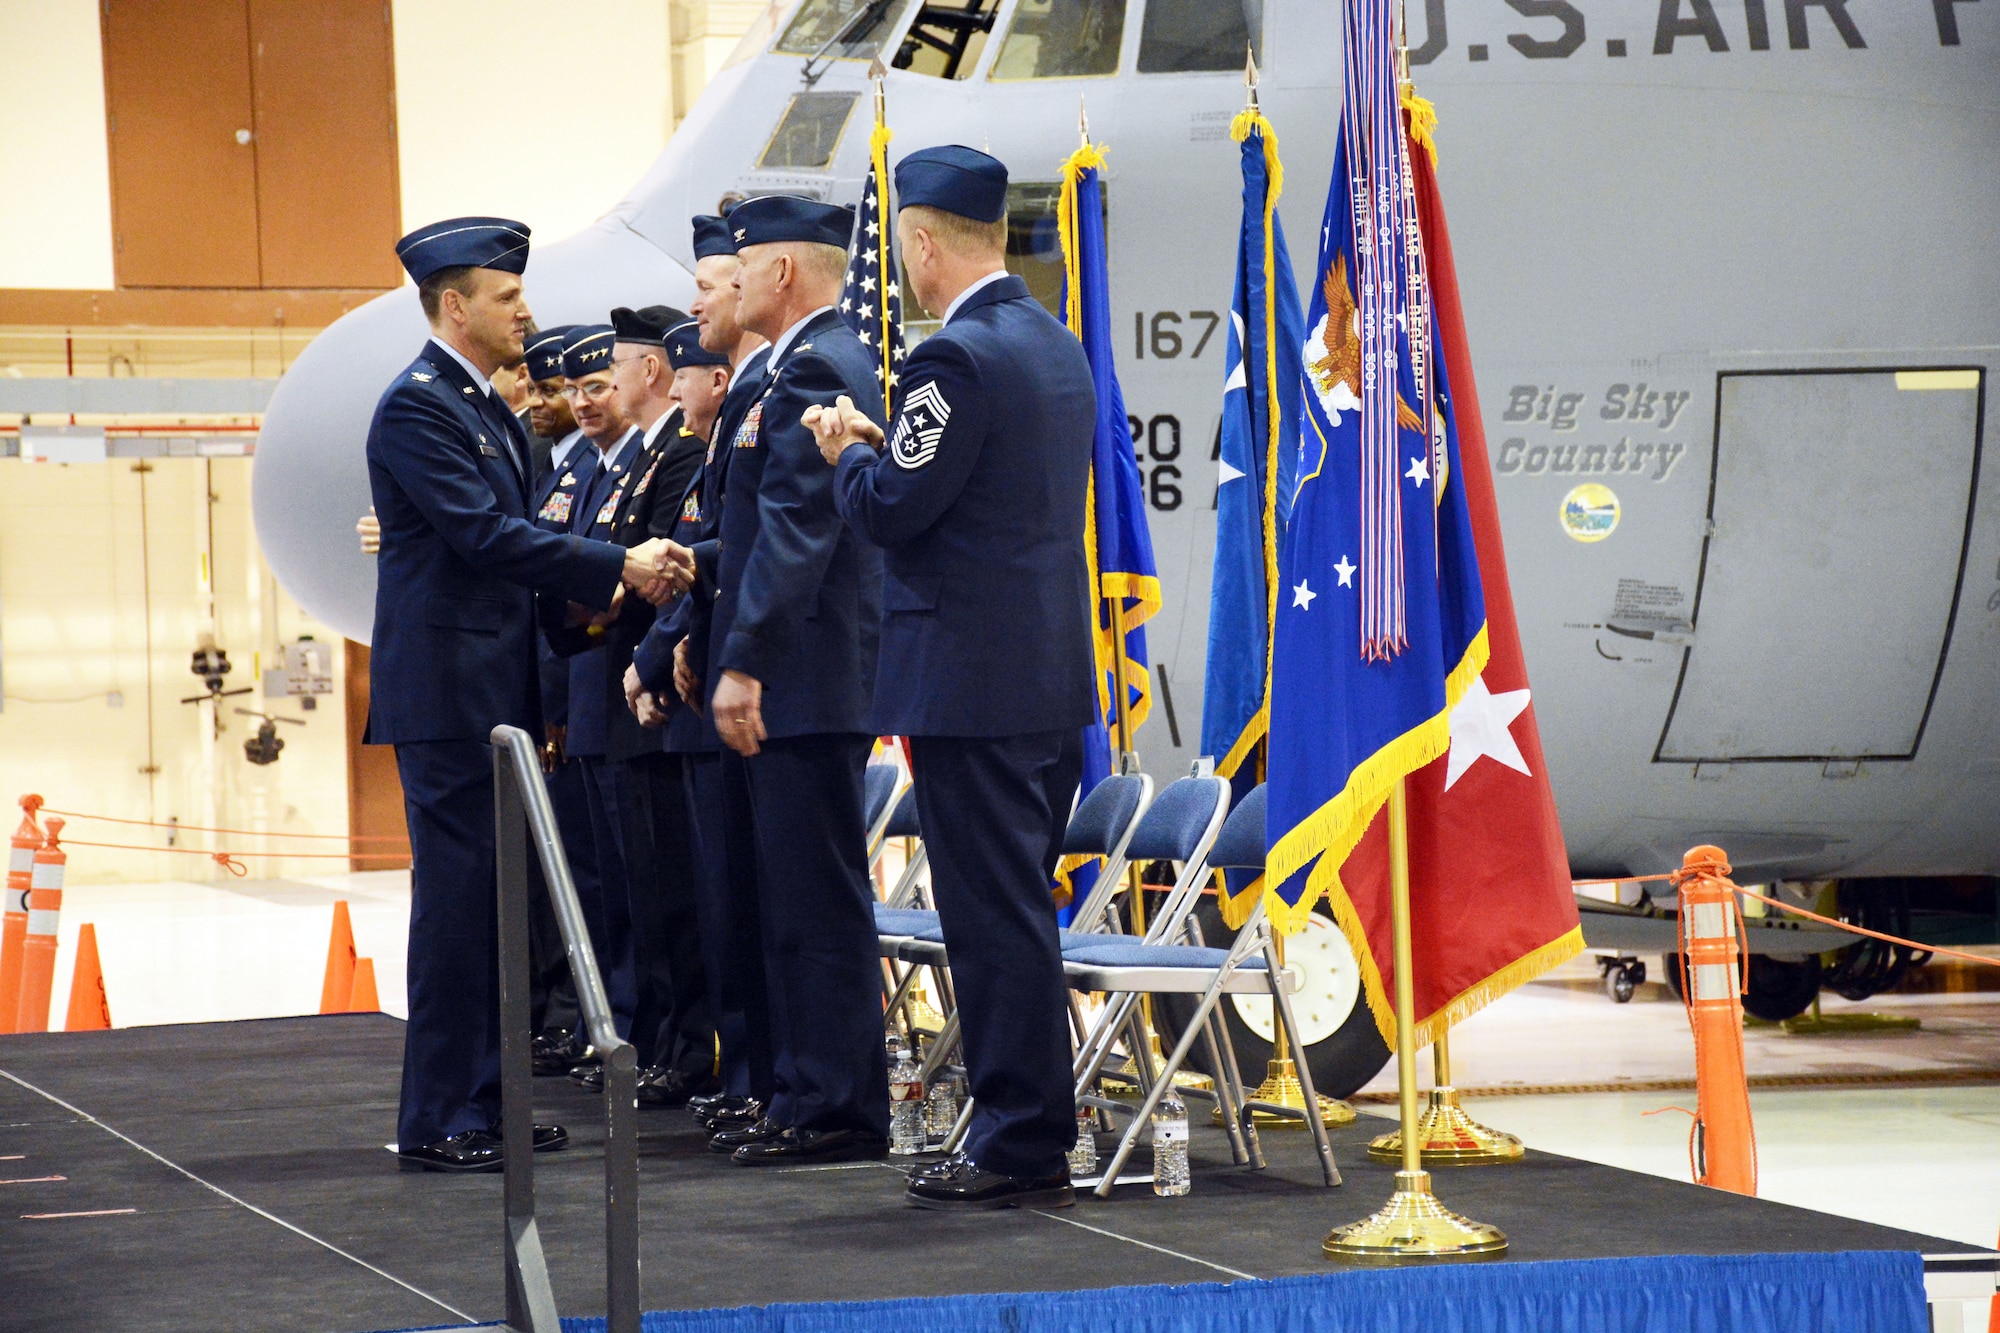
(1381, 618)
(1258, 456)
(1125, 583)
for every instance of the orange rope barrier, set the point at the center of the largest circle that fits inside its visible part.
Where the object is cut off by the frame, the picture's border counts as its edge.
(236, 832)
(1814, 916)
(228, 861)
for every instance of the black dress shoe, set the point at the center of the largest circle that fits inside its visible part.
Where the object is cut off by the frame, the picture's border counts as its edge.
(729, 1140)
(554, 1051)
(795, 1146)
(588, 1077)
(548, 1138)
(963, 1185)
(660, 1086)
(702, 1103)
(941, 1169)
(472, 1150)
(732, 1113)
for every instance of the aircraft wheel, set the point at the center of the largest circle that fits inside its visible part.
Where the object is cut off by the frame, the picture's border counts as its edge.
(1781, 988)
(1623, 976)
(1343, 1049)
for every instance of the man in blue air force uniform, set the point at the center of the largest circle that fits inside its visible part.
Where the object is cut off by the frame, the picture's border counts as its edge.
(454, 656)
(613, 445)
(979, 502)
(726, 901)
(791, 663)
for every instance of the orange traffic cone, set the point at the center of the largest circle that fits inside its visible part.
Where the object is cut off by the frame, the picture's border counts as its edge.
(38, 948)
(364, 1000)
(1725, 1144)
(339, 984)
(14, 926)
(89, 1006)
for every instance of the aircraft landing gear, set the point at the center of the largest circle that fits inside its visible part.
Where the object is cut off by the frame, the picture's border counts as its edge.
(1622, 975)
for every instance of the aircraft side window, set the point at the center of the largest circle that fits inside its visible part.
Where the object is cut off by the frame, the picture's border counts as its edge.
(810, 131)
(1034, 241)
(945, 39)
(1188, 36)
(856, 28)
(1062, 39)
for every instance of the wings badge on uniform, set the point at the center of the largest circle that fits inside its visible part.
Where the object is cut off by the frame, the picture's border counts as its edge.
(920, 427)
(555, 509)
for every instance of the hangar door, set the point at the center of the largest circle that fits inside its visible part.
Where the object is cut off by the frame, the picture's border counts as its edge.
(1838, 515)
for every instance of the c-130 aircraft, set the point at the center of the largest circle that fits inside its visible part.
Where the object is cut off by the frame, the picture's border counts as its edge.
(1728, 271)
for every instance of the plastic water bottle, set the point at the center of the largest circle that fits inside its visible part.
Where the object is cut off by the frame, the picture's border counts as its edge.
(1083, 1157)
(1170, 1146)
(941, 1109)
(906, 1102)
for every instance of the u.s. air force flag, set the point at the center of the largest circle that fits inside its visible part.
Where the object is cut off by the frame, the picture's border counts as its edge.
(1382, 623)
(1259, 450)
(1118, 546)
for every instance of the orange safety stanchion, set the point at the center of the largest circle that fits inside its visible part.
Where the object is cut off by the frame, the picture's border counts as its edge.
(38, 949)
(89, 1006)
(14, 923)
(1724, 1145)
(338, 987)
(364, 1000)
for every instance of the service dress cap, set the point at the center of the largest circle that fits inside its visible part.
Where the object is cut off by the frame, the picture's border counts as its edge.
(648, 325)
(684, 348)
(465, 243)
(955, 179)
(711, 237)
(787, 217)
(587, 349)
(545, 352)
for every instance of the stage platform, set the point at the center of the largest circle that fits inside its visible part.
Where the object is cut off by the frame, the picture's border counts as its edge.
(234, 1175)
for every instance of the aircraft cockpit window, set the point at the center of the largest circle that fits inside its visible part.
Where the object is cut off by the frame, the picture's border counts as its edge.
(1062, 39)
(1034, 240)
(810, 131)
(846, 29)
(1188, 36)
(944, 40)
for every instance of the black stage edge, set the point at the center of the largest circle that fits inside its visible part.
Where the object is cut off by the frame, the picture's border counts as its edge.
(304, 1222)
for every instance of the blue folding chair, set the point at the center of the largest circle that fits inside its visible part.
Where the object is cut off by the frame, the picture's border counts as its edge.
(1172, 959)
(880, 785)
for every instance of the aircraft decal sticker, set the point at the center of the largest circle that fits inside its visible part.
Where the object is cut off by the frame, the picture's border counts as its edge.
(920, 427)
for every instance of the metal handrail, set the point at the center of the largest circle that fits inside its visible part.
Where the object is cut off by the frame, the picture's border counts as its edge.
(520, 809)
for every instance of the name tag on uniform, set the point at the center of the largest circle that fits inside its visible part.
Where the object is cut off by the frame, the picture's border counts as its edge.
(489, 451)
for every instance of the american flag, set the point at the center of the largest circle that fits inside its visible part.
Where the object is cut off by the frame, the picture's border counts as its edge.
(872, 300)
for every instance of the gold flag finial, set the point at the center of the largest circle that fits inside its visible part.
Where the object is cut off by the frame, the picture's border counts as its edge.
(1083, 121)
(1250, 73)
(877, 70)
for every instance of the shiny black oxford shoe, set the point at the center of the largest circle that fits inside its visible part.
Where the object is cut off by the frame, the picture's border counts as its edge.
(729, 1139)
(554, 1051)
(795, 1147)
(959, 1183)
(472, 1150)
(662, 1087)
(729, 1113)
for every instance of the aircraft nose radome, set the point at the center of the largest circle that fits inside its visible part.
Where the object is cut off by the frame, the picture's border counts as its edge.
(310, 483)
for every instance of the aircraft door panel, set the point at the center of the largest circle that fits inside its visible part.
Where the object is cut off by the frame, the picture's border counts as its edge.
(1838, 511)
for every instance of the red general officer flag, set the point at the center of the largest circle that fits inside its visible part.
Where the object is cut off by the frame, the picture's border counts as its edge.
(1491, 905)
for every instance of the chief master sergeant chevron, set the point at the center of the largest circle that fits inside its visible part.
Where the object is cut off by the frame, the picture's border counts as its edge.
(454, 656)
(985, 661)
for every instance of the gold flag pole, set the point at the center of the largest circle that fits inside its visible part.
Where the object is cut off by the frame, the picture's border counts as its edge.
(1413, 1224)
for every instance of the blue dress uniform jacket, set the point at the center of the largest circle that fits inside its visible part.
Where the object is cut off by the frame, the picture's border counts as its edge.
(556, 499)
(978, 498)
(454, 641)
(650, 508)
(691, 618)
(799, 600)
(589, 715)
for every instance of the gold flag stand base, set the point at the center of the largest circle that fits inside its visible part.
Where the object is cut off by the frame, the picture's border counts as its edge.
(1281, 1087)
(1413, 1225)
(1447, 1136)
(1129, 1088)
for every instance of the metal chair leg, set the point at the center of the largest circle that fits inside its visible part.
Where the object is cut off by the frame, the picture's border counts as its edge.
(1283, 1001)
(1159, 1089)
(1228, 1097)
